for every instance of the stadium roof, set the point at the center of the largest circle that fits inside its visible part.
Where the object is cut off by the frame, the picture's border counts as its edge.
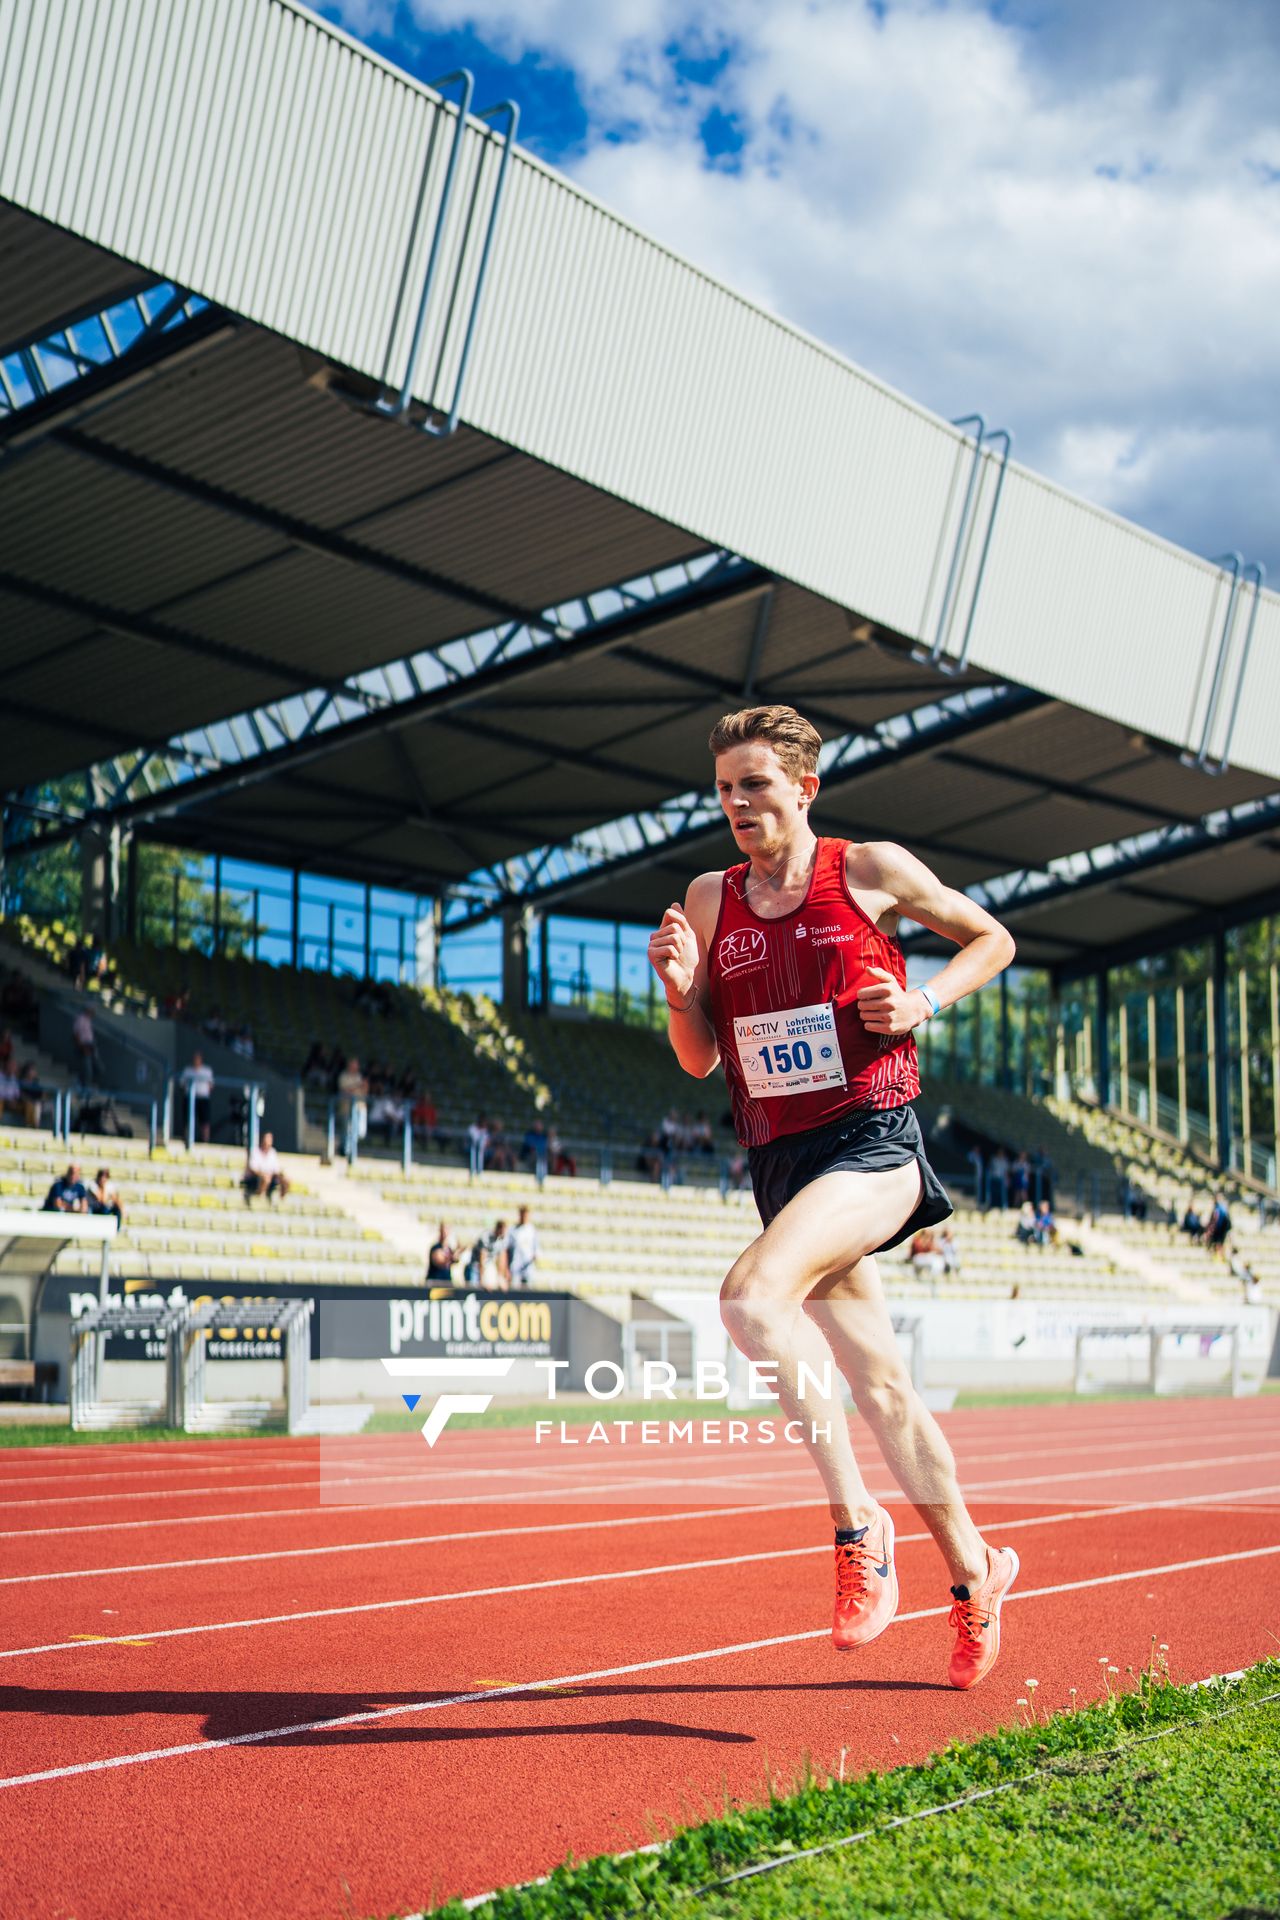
(206, 515)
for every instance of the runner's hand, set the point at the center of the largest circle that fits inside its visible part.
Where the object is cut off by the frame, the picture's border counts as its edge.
(885, 1007)
(673, 954)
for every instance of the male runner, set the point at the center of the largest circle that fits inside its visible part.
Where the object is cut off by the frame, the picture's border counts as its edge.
(785, 970)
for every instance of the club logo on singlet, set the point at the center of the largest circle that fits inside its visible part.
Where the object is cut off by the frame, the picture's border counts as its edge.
(742, 949)
(802, 932)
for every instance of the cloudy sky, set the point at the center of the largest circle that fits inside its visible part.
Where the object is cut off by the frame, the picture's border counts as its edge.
(1063, 214)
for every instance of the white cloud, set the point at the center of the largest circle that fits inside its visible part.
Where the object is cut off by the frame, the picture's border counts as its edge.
(1067, 217)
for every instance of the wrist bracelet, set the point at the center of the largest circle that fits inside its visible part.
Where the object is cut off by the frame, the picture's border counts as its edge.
(678, 1006)
(932, 999)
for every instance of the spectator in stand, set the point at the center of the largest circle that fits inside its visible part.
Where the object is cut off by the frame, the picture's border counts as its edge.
(176, 1006)
(386, 1114)
(998, 1180)
(1217, 1226)
(926, 1256)
(948, 1249)
(649, 1158)
(477, 1143)
(353, 1092)
(535, 1147)
(739, 1171)
(103, 1197)
(1042, 1171)
(1020, 1180)
(68, 1194)
(10, 1093)
(6, 1051)
(487, 1261)
(1250, 1287)
(315, 1068)
(424, 1118)
(1046, 1227)
(500, 1270)
(978, 1166)
(197, 1080)
(559, 1157)
(443, 1256)
(30, 1094)
(1192, 1224)
(215, 1024)
(522, 1250)
(703, 1140)
(501, 1153)
(85, 1043)
(1025, 1231)
(1133, 1201)
(241, 1041)
(263, 1173)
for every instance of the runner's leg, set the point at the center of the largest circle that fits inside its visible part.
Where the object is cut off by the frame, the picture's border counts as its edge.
(851, 1311)
(827, 1228)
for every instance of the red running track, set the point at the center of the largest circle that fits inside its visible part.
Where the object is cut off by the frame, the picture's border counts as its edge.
(349, 1678)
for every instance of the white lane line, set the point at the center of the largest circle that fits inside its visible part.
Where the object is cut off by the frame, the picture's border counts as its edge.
(536, 1586)
(1200, 1499)
(594, 1490)
(597, 1673)
(320, 1471)
(191, 1460)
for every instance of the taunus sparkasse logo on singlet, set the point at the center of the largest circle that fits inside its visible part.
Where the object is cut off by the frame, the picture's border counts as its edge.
(738, 950)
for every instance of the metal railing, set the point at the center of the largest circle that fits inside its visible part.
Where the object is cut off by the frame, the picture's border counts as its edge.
(92, 1110)
(352, 1132)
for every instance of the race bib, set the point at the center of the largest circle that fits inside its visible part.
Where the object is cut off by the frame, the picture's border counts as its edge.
(794, 1051)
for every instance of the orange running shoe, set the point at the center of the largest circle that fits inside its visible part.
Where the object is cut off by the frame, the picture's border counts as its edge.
(976, 1619)
(866, 1585)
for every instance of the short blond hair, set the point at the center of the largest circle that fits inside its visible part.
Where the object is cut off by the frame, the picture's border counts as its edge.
(794, 739)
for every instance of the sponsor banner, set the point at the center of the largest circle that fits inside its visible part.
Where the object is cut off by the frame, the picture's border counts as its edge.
(350, 1323)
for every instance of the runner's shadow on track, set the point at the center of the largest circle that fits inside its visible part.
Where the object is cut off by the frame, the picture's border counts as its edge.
(225, 1715)
(555, 1729)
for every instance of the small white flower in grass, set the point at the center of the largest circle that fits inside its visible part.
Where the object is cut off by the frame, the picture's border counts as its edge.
(1113, 1669)
(1031, 1683)
(1164, 1646)
(1020, 1703)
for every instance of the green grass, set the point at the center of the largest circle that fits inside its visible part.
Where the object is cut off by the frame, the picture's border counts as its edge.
(1158, 1801)
(62, 1436)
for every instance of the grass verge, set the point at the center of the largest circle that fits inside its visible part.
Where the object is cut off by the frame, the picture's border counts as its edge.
(63, 1436)
(1159, 1800)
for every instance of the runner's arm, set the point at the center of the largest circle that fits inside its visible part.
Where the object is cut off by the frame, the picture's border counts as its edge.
(985, 947)
(678, 955)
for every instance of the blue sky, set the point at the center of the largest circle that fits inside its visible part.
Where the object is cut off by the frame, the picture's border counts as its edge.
(1063, 214)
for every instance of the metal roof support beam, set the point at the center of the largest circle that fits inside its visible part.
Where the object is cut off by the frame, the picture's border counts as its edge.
(156, 349)
(1182, 933)
(299, 533)
(740, 584)
(966, 716)
(759, 634)
(155, 633)
(1029, 893)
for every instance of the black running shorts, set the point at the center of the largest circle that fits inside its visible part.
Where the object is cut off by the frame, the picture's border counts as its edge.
(871, 1141)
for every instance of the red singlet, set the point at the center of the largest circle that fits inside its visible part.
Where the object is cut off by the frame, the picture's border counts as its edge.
(784, 1002)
